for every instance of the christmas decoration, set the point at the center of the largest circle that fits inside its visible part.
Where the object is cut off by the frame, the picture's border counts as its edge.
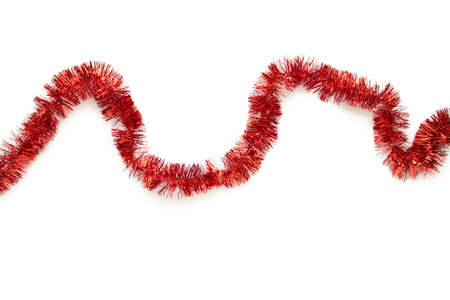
(99, 81)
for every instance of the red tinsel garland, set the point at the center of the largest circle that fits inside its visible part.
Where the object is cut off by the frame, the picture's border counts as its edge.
(99, 81)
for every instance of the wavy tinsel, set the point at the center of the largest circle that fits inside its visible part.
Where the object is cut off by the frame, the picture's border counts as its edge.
(99, 81)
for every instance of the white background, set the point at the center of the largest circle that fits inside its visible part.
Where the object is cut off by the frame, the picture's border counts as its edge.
(322, 219)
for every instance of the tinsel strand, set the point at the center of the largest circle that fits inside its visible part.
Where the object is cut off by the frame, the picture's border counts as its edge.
(97, 80)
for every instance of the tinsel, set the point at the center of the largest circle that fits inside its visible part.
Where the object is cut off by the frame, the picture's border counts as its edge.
(99, 81)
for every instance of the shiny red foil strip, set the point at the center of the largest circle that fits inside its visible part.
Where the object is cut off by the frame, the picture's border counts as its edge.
(99, 81)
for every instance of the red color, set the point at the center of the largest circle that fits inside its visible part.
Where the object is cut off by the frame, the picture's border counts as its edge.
(99, 81)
